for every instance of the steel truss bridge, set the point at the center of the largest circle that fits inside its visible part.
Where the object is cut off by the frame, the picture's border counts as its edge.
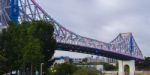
(122, 47)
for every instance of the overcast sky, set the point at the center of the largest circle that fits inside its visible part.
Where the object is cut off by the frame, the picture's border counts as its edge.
(103, 19)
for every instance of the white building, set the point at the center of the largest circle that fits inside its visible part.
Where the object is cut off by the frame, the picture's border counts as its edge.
(94, 59)
(77, 60)
(109, 60)
(59, 61)
(97, 67)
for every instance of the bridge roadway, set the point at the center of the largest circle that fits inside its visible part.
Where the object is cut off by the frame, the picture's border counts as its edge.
(123, 47)
(88, 50)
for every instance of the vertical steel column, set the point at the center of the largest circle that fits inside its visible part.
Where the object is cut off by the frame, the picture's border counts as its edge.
(14, 10)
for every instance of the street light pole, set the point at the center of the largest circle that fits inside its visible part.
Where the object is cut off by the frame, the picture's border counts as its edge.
(41, 68)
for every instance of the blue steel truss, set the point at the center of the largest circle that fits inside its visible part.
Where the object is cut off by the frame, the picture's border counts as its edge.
(123, 47)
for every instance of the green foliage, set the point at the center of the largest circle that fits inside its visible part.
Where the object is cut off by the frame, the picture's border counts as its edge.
(63, 69)
(3, 65)
(32, 52)
(109, 67)
(145, 64)
(27, 44)
(44, 32)
(70, 69)
(86, 71)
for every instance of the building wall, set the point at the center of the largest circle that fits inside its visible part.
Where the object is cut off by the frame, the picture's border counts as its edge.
(59, 61)
(77, 60)
(97, 67)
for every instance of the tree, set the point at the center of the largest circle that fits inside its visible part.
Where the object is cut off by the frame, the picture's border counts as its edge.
(109, 67)
(9, 46)
(43, 31)
(3, 61)
(63, 69)
(40, 32)
(85, 71)
(28, 44)
(3, 65)
(145, 64)
(32, 54)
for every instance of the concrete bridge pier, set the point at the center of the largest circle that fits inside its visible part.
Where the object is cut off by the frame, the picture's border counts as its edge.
(122, 64)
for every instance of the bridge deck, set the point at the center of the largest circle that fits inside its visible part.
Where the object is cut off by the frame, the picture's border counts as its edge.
(93, 51)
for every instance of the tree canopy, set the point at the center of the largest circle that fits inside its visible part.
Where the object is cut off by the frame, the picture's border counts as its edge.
(27, 45)
(85, 71)
(63, 69)
(143, 65)
(109, 67)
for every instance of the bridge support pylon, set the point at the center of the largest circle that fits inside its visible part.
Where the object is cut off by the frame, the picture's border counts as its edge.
(122, 66)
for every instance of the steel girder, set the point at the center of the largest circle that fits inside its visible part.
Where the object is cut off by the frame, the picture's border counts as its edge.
(126, 44)
(30, 10)
(4, 12)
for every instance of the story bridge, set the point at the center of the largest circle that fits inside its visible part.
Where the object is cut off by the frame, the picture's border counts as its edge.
(123, 47)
